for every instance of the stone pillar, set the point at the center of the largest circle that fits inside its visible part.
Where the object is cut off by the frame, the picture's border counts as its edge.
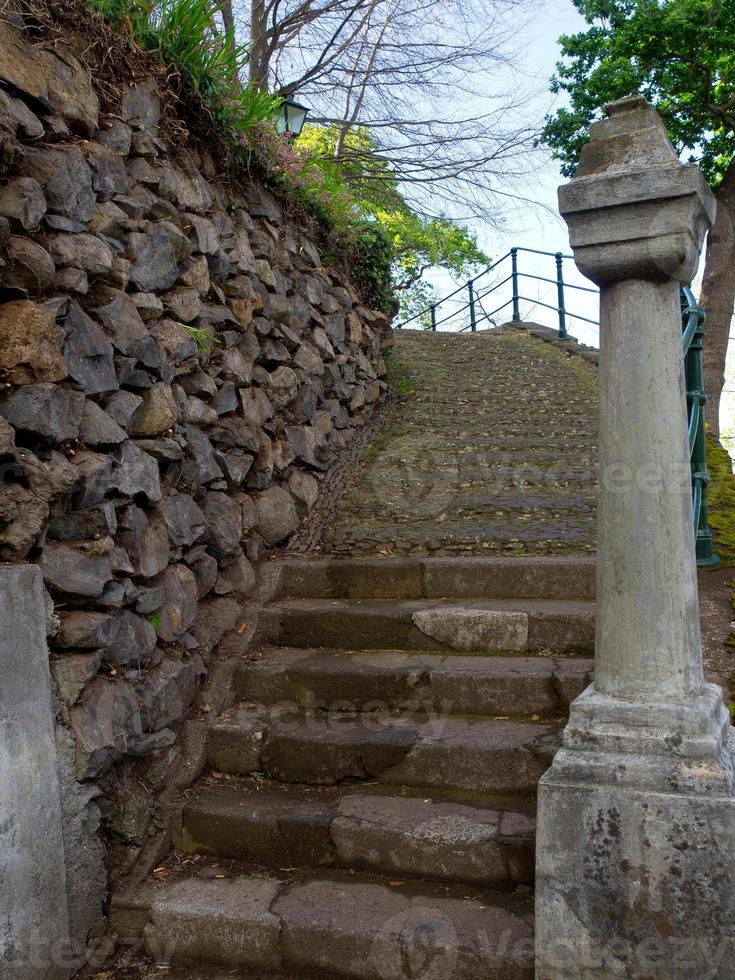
(33, 902)
(636, 817)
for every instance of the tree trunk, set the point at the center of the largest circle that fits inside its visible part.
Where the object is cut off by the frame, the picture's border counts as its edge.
(228, 21)
(718, 295)
(258, 60)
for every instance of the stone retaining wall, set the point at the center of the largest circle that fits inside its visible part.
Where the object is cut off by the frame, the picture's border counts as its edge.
(143, 473)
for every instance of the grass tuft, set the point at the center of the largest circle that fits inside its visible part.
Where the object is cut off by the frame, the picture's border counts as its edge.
(183, 35)
(203, 338)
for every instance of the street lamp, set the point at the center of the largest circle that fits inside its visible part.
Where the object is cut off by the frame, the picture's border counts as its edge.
(291, 118)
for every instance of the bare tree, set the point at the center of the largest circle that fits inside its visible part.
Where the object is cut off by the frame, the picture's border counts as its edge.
(426, 79)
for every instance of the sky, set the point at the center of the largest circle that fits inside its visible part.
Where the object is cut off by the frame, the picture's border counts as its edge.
(540, 226)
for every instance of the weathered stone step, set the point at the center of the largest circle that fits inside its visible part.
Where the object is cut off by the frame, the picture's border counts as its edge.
(436, 578)
(334, 928)
(475, 754)
(491, 625)
(389, 679)
(357, 828)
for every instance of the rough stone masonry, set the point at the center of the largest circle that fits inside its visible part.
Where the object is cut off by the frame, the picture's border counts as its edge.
(142, 472)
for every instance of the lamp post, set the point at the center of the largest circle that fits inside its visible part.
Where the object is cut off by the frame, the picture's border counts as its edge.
(291, 118)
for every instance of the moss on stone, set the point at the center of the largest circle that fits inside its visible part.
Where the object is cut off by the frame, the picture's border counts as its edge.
(398, 376)
(721, 500)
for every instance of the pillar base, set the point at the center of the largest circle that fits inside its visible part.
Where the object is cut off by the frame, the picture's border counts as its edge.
(636, 831)
(682, 746)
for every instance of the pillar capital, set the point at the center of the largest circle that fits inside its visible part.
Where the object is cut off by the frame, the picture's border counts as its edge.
(633, 210)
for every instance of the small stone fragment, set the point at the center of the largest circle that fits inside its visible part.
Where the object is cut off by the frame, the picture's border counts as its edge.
(68, 570)
(157, 412)
(89, 353)
(45, 410)
(22, 200)
(179, 609)
(30, 343)
(98, 428)
(277, 518)
(136, 472)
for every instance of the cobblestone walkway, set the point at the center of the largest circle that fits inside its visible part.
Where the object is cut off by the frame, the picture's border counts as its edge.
(493, 451)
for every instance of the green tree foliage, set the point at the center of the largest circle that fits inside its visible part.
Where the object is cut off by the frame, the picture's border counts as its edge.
(361, 185)
(679, 54)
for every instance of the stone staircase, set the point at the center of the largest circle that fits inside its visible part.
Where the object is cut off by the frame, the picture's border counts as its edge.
(368, 806)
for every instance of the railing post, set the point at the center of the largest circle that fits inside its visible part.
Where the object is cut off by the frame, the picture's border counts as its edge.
(637, 813)
(514, 275)
(696, 397)
(473, 320)
(560, 295)
(433, 317)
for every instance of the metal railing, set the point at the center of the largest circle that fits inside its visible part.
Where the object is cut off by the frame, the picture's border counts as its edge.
(693, 317)
(471, 314)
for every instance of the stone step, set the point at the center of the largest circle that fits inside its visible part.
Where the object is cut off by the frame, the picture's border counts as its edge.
(335, 928)
(480, 755)
(436, 578)
(389, 679)
(478, 626)
(356, 828)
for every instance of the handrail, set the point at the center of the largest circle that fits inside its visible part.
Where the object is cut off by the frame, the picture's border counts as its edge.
(692, 318)
(477, 294)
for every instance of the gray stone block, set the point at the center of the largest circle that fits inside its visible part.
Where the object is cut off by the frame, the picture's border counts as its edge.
(633, 883)
(34, 925)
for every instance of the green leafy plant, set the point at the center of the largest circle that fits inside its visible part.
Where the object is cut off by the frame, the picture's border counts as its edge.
(154, 619)
(183, 35)
(203, 338)
(343, 181)
(680, 55)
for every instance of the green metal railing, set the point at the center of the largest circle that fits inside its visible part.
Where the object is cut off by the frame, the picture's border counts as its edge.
(471, 314)
(693, 317)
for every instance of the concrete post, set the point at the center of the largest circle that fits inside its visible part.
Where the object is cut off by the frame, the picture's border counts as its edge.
(34, 927)
(636, 817)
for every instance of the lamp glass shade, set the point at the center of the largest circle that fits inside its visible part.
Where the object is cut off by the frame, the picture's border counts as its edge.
(291, 117)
